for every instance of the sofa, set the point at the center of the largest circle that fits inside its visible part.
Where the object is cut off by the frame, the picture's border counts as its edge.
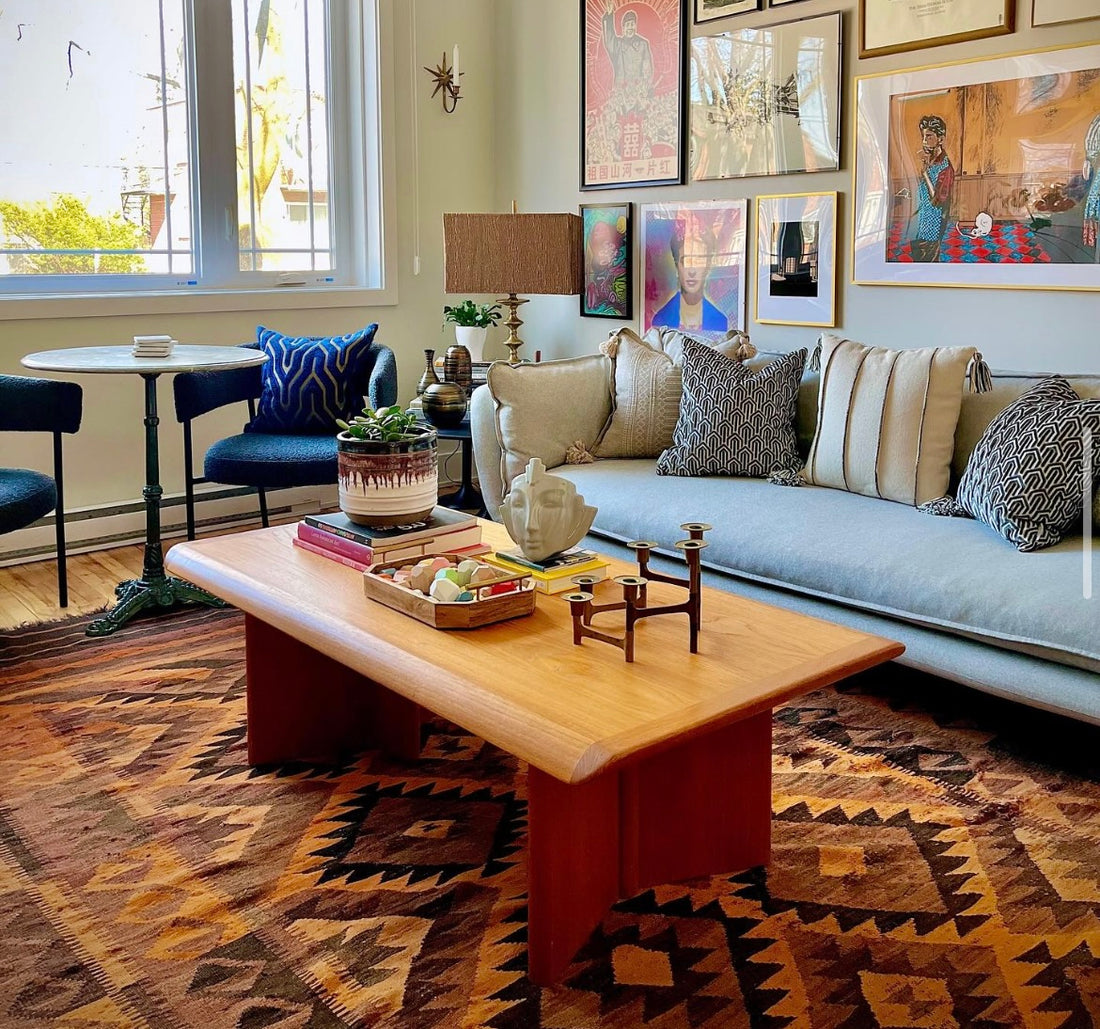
(967, 606)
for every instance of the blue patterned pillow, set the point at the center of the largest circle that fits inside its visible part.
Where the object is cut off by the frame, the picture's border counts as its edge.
(310, 381)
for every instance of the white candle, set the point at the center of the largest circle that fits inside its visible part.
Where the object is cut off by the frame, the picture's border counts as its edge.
(454, 69)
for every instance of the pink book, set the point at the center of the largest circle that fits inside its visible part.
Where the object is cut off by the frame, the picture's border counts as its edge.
(331, 543)
(332, 555)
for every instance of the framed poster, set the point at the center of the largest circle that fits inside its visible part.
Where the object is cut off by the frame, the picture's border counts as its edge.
(766, 101)
(608, 261)
(693, 266)
(796, 259)
(779, 3)
(984, 173)
(893, 26)
(1055, 12)
(633, 56)
(708, 10)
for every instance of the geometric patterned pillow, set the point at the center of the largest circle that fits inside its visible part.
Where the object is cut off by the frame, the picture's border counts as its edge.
(309, 381)
(1025, 477)
(733, 420)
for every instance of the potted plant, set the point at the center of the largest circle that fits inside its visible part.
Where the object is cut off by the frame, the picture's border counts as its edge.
(387, 469)
(471, 322)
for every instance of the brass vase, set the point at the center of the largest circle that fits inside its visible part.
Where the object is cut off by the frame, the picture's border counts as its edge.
(444, 404)
(458, 367)
(428, 378)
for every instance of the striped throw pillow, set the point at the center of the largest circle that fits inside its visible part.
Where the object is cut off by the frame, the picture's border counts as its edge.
(886, 419)
(310, 381)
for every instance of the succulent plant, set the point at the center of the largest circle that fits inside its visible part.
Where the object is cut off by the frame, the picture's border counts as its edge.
(387, 424)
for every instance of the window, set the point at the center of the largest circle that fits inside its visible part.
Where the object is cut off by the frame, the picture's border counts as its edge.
(188, 144)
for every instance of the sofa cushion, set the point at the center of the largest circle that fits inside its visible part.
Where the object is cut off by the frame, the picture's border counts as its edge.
(308, 382)
(948, 573)
(532, 420)
(734, 420)
(1024, 479)
(886, 419)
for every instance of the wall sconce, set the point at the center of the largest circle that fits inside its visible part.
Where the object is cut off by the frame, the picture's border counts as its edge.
(446, 80)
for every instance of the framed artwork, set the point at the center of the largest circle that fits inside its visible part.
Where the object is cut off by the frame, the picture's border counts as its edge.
(633, 57)
(893, 26)
(766, 101)
(608, 261)
(780, 3)
(984, 173)
(708, 10)
(693, 266)
(796, 259)
(1055, 12)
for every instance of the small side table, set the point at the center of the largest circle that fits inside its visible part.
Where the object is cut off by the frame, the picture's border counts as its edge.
(154, 588)
(468, 496)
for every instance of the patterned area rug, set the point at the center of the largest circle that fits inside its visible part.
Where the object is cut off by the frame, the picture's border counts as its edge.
(934, 865)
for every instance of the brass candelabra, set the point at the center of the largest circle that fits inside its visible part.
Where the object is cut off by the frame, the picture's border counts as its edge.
(635, 603)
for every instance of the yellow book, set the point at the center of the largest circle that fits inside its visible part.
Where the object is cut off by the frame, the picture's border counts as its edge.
(566, 572)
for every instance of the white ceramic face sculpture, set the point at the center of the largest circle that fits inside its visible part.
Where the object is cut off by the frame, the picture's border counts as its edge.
(544, 513)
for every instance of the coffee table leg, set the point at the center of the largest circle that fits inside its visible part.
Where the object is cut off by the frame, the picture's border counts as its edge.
(701, 807)
(304, 706)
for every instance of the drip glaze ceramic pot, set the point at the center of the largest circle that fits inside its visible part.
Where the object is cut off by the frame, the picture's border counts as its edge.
(384, 483)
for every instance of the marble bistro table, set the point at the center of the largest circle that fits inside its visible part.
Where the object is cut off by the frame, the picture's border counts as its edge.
(155, 587)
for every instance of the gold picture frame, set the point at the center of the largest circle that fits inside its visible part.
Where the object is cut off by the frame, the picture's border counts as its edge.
(1059, 12)
(897, 26)
(796, 259)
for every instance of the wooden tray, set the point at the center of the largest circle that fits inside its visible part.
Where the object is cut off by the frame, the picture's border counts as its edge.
(471, 614)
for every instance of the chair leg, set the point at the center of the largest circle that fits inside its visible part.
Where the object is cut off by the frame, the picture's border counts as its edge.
(59, 525)
(188, 480)
(263, 505)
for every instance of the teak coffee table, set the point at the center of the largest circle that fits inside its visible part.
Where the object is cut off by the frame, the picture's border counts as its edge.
(640, 773)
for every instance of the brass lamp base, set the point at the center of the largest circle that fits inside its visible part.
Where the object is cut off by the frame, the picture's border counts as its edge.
(513, 342)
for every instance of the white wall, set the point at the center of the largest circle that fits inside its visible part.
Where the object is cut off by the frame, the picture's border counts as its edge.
(105, 460)
(538, 81)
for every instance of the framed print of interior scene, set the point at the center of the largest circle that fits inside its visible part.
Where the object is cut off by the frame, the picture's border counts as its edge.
(985, 173)
(608, 261)
(708, 10)
(693, 266)
(796, 259)
(632, 109)
(895, 26)
(766, 101)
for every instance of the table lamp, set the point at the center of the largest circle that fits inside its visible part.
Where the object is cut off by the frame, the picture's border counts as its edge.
(512, 253)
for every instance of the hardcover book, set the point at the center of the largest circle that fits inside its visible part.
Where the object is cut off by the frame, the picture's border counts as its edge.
(562, 573)
(441, 521)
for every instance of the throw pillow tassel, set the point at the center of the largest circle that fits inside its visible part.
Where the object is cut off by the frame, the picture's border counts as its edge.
(978, 376)
(814, 364)
(786, 477)
(944, 507)
(744, 349)
(578, 453)
(610, 346)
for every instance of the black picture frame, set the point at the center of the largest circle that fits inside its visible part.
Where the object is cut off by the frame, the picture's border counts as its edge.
(597, 174)
(595, 286)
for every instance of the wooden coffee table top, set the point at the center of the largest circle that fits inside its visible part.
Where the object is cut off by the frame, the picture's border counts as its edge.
(570, 711)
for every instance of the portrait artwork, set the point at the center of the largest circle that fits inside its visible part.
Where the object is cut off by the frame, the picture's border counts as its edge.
(694, 266)
(987, 182)
(608, 261)
(766, 101)
(632, 92)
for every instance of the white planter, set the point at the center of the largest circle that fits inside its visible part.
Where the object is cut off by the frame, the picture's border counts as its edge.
(473, 339)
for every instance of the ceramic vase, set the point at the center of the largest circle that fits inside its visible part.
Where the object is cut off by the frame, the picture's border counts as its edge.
(428, 377)
(444, 404)
(457, 367)
(387, 483)
(472, 337)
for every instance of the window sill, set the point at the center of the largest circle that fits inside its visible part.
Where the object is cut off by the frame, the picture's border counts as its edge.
(282, 298)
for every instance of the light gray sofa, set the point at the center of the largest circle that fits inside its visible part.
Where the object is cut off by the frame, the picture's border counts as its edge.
(967, 605)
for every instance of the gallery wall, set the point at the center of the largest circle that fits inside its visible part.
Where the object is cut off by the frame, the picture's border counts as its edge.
(538, 79)
(455, 171)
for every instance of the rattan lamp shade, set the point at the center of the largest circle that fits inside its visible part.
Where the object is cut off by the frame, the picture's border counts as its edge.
(512, 253)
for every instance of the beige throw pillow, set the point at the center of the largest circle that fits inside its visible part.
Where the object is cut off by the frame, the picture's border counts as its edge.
(886, 419)
(647, 385)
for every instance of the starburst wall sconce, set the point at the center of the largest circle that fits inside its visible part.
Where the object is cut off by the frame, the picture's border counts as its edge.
(446, 81)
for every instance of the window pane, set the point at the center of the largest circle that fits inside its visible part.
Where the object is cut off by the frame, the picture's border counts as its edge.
(281, 75)
(94, 155)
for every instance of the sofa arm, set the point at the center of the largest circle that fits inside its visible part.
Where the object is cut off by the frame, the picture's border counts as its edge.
(487, 451)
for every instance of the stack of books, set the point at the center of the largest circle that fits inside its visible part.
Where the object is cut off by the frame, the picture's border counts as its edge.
(555, 574)
(338, 538)
(152, 346)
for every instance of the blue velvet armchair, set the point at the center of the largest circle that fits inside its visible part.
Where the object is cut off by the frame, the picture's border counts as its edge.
(38, 405)
(265, 460)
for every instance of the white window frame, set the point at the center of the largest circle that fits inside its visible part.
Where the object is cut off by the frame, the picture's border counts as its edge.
(362, 137)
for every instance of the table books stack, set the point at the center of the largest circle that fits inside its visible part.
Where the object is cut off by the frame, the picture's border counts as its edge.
(338, 538)
(555, 574)
(153, 346)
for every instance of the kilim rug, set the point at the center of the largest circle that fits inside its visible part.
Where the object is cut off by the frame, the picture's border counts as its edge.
(935, 863)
